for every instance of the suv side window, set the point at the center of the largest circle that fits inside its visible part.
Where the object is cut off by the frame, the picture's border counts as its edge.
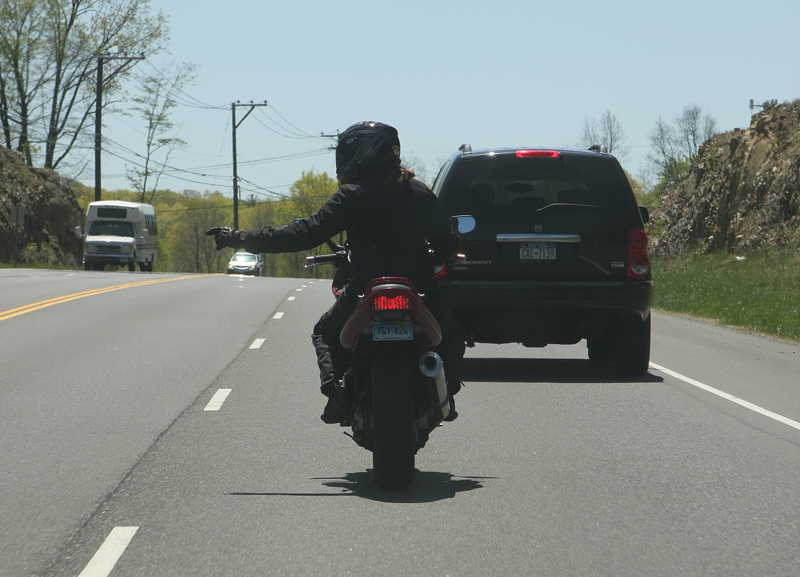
(437, 183)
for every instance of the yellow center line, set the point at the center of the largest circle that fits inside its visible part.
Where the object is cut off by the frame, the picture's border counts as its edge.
(11, 313)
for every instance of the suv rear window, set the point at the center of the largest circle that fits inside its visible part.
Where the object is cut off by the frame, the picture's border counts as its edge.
(498, 183)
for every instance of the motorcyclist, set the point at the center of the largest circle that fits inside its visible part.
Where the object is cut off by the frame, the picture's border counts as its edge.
(391, 219)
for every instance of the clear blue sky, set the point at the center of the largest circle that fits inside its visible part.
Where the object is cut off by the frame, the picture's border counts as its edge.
(513, 73)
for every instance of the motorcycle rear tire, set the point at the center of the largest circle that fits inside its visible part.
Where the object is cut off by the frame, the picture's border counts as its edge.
(393, 426)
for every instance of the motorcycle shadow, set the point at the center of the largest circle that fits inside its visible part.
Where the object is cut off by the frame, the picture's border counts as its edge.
(527, 370)
(428, 487)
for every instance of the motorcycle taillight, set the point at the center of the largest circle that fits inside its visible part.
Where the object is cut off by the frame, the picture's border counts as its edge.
(395, 303)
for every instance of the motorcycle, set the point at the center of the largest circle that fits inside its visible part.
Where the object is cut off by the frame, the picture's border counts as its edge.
(396, 388)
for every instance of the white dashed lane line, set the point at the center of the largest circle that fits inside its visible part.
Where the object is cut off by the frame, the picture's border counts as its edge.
(290, 299)
(729, 397)
(215, 404)
(297, 290)
(257, 343)
(109, 552)
(277, 315)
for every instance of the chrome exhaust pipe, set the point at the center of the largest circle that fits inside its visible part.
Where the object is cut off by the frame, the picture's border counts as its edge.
(430, 365)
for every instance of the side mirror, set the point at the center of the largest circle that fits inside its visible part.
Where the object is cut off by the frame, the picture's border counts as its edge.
(645, 214)
(78, 231)
(463, 224)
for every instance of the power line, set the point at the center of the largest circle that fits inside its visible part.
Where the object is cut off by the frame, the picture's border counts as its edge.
(171, 169)
(279, 133)
(197, 103)
(266, 190)
(289, 123)
(184, 179)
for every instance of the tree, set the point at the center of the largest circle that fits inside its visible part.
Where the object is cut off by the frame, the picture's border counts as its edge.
(693, 128)
(674, 147)
(608, 131)
(153, 104)
(190, 249)
(20, 38)
(48, 66)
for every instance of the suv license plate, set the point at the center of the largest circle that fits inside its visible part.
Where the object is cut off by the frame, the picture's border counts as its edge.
(537, 251)
(393, 332)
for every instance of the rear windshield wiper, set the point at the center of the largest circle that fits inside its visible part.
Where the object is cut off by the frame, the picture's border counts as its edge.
(564, 206)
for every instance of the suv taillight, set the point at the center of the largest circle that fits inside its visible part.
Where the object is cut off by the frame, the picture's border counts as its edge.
(638, 262)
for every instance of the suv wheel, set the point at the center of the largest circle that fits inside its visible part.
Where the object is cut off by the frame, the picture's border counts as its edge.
(633, 346)
(600, 350)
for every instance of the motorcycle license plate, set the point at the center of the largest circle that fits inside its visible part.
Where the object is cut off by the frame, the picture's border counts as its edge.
(393, 332)
(537, 251)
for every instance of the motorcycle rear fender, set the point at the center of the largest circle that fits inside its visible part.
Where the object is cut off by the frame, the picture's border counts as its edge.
(363, 314)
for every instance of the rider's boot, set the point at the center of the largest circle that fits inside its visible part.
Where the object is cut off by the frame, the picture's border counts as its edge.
(336, 409)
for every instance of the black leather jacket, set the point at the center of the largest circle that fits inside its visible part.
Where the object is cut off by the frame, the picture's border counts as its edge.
(389, 225)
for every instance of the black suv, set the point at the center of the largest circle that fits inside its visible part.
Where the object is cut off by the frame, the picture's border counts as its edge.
(558, 252)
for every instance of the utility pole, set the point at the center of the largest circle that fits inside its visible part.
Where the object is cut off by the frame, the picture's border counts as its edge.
(235, 174)
(98, 110)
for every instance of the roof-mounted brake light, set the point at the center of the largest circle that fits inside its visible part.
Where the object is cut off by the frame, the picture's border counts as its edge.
(537, 154)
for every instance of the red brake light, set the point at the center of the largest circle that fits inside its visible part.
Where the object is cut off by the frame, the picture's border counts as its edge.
(396, 303)
(537, 154)
(638, 261)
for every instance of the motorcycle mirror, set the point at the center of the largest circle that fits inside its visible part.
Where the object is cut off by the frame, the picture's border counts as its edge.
(463, 223)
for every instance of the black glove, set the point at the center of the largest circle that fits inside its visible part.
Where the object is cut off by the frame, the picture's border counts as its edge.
(226, 236)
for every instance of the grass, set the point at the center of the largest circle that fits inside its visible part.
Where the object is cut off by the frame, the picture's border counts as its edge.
(760, 293)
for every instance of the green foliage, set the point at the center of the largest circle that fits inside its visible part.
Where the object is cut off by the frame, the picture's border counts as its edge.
(758, 293)
(183, 244)
(637, 187)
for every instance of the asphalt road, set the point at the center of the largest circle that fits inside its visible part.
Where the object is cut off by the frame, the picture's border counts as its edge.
(109, 460)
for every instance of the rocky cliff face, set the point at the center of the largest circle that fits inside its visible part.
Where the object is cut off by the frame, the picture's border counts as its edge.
(742, 194)
(51, 212)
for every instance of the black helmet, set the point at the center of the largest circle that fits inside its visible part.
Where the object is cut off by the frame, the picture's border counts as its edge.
(365, 146)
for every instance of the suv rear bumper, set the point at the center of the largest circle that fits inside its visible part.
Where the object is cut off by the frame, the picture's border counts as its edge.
(541, 313)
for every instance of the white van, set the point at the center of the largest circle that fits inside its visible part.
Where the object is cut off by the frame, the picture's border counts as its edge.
(120, 233)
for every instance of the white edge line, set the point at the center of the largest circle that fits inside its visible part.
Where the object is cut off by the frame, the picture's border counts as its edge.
(729, 397)
(109, 552)
(257, 343)
(277, 315)
(215, 404)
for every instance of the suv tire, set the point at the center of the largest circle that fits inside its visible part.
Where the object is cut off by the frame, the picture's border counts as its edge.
(633, 347)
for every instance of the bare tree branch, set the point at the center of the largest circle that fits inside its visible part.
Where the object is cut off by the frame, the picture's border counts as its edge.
(608, 131)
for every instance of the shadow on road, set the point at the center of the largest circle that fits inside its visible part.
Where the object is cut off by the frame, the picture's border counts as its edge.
(505, 370)
(428, 487)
